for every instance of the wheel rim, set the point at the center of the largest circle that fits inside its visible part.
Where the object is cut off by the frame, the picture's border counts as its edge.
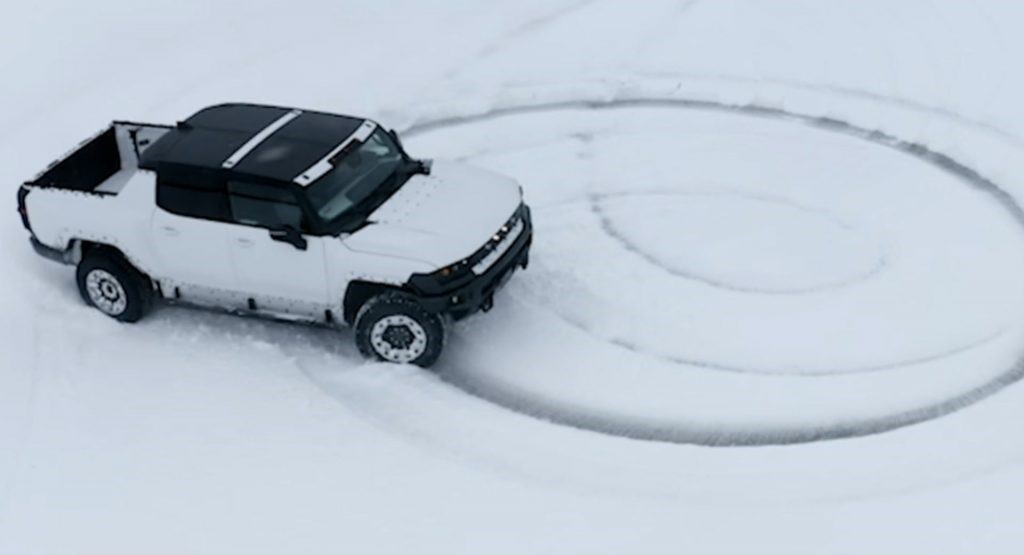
(398, 338)
(106, 292)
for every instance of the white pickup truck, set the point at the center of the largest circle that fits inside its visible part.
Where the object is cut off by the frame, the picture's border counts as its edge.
(283, 213)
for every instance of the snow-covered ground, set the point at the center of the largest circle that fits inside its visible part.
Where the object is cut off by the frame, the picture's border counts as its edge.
(774, 304)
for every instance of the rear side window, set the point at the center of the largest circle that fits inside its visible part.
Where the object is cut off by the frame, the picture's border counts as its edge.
(264, 206)
(193, 199)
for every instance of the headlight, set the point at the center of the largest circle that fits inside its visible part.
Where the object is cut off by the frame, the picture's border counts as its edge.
(451, 273)
(442, 280)
(455, 275)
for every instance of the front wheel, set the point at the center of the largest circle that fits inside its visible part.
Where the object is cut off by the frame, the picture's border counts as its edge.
(393, 327)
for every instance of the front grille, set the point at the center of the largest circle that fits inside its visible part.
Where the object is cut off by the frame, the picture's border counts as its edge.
(500, 248)
(499, 243)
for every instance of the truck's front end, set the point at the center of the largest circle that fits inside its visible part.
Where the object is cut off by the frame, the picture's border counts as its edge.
(469, 285)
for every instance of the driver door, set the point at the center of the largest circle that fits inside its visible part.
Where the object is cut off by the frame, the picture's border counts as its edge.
(282, 279)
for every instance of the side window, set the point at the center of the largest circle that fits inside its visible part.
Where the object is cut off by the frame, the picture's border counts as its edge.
(264, 206)
(192, 199)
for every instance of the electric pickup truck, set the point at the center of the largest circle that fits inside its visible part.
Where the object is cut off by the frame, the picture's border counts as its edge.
(283, 213)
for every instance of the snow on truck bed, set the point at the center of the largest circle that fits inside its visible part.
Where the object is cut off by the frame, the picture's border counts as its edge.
(773, 306)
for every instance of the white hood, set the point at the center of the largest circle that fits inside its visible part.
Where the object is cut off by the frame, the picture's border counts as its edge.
(440, 218)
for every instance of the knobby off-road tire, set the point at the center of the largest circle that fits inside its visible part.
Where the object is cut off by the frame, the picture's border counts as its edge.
(108, 283)
(393, 327)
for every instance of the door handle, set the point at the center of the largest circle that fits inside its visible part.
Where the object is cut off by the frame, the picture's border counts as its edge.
(168, 230)
(244, 243)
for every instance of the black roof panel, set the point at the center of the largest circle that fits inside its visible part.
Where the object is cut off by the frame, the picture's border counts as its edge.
(245, 118)
(208, 138)
(297, 146)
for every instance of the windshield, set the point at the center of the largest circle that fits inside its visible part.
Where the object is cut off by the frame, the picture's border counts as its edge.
(357, 175)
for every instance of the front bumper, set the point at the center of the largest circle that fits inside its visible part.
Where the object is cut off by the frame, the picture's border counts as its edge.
(478, 294)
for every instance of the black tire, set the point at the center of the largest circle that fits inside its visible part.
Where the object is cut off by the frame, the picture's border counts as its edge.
(393, 327)
(114, 281)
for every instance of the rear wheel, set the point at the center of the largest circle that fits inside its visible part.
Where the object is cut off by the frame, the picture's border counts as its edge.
(110, 284)
(393, 327)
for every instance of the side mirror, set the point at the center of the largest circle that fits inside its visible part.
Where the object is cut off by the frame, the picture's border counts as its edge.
(291, 236)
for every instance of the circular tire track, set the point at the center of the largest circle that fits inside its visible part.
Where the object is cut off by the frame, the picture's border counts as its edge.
(590, 421)
(819, 373)
(596, 203)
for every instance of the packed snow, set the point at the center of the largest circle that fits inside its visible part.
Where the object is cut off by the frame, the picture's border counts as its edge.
(773, 304)
(866, 251)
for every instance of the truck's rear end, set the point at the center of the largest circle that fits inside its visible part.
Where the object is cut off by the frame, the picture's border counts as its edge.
(74, 193)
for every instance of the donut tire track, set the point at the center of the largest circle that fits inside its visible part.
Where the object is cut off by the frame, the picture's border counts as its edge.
(595, 202)
(682, 434)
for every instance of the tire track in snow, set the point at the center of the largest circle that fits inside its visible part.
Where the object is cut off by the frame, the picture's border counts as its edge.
(532, 26)
(854, 93)
(666, 26)
(609, 229)
(526, 28)
(465, 380)
(595, 201)
(917, 150)
(812, 373)
(696, 435)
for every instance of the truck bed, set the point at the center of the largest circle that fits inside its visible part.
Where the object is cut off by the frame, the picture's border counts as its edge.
(102, 164)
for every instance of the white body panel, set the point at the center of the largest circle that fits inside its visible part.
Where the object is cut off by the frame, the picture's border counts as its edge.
(194, 257)
(282, 279)
(433, 221)
(123, 220)
(440, 218)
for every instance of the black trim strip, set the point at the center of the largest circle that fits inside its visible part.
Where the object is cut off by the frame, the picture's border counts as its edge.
(49, 253)
(23, 208)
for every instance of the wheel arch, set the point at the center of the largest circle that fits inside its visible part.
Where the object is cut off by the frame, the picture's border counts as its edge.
(358, 292)
(78, 249)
